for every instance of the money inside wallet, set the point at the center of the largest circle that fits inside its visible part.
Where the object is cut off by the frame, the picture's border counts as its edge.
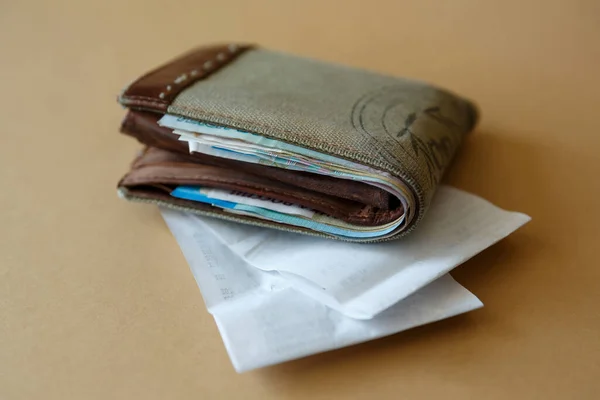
(270, 139)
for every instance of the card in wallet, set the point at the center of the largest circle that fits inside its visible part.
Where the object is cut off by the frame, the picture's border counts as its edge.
(266, 138)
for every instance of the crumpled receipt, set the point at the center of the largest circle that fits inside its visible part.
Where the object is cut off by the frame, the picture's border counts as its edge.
(263, 320)
(362, 280)
(277, 296)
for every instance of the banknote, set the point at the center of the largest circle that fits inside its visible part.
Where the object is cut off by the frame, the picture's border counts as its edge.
(248, 147)
(258, 201)
(193, 126)
(279, 211)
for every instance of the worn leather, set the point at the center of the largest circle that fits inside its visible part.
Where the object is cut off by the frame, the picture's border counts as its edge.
(157, 89)
(157, 169)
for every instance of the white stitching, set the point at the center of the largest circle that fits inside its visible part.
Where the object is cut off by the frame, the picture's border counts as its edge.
(180, 79)
(206, 66)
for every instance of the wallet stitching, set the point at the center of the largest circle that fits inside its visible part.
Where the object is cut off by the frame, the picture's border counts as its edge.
(208, 66)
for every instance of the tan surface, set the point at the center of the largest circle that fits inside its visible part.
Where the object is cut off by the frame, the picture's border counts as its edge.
(97, 302)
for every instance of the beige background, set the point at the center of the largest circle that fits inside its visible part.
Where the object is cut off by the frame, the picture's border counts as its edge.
(96, 300)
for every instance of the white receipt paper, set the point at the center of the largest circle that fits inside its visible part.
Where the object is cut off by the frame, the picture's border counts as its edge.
(362, 280)
(278, 296)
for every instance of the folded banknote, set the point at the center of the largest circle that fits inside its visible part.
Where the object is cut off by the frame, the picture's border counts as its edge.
(270, 139)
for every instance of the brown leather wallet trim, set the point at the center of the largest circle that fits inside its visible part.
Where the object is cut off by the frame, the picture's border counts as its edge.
(159, 87)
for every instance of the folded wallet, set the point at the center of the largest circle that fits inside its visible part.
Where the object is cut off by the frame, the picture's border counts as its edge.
(265, 138)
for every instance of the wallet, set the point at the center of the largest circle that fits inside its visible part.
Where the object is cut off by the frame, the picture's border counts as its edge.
(261, 137)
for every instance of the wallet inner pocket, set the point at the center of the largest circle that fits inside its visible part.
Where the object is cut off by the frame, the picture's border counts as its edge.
(144, 127)
(159, 172)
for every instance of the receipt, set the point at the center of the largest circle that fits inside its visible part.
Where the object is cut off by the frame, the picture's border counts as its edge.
(264, 320)
(362, 280)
